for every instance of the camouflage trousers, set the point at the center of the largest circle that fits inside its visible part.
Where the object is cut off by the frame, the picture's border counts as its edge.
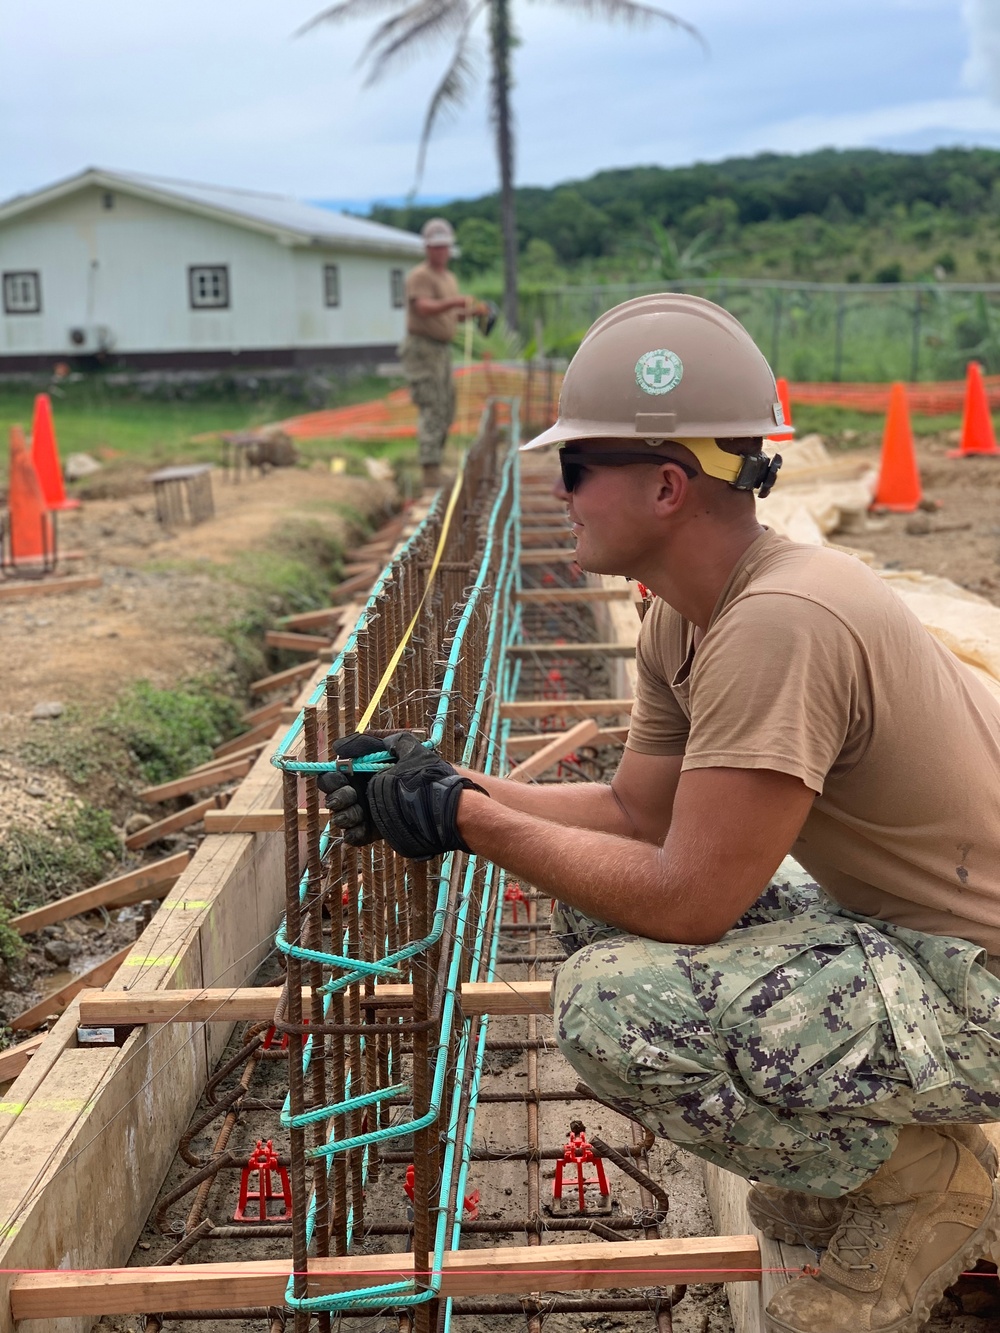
(427, 367)
(791, 1050)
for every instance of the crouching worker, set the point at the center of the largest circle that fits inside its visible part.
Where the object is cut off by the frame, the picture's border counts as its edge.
(832, 1035)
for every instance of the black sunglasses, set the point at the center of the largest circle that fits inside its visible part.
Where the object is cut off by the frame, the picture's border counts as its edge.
(574, 465)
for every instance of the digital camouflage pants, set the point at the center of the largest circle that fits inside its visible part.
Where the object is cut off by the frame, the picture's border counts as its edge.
(791, 1050)
(427, 367)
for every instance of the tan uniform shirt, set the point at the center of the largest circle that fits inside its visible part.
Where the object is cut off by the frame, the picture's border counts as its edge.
(423, 281)
(813, 666)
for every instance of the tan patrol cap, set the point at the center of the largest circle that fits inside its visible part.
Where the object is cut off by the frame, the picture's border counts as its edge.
(437, 231)
(667, 366)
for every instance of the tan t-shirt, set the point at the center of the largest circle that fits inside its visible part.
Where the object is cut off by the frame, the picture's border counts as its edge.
(813, 666)
(423, 281)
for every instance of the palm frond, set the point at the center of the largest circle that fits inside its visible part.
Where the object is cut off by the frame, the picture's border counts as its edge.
(403, 35)
(634, 14)
(343, 12)
(450, 92)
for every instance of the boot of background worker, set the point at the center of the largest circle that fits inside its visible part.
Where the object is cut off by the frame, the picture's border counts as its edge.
(431, 476)
(927, 1214)
(813, 1219)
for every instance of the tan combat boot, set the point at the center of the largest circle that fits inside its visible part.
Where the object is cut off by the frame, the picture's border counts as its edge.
(926, 1215)
(431, 477)
(812, 1219)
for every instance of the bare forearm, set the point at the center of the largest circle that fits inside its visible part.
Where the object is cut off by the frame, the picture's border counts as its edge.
(615, 879)
(589, 805)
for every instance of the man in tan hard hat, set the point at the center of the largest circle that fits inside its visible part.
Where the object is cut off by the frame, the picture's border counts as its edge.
(830, 1027)
(434, 308)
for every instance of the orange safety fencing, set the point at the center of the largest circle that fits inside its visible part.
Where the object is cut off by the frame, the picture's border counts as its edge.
(930, 400)
(395, 417)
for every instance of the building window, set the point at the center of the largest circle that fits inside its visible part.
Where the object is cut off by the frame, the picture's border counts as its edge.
(209, 286)
(107, 200)
(398, 287)
(331, 284)
(22, 293)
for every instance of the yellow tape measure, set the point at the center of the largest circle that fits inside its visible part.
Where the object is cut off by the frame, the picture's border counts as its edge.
(369, 712)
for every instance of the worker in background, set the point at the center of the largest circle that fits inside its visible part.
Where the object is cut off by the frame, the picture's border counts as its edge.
(434, 309)
(827, 1027)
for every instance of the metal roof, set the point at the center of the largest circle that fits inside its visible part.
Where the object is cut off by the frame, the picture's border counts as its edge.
(287, 218)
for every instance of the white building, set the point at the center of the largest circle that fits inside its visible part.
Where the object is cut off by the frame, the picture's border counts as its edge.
(146, 273)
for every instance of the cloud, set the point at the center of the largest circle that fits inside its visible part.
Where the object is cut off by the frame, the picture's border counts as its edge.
(982, 69)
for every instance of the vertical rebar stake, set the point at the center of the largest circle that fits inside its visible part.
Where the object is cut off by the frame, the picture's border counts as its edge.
(296, 1086)
(421, 1099)
(313, 937)
(337, 1045)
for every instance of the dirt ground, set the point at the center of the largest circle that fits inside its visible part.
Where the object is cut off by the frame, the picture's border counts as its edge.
(959, 538)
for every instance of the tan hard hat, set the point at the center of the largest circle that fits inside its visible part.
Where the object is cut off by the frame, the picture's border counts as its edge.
(437, 231)
(667, 366)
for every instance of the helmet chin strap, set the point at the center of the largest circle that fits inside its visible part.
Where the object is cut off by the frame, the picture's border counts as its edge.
(744, 472)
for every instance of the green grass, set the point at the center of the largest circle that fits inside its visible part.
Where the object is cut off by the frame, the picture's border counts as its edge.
(867, 427)
(114, 425)
(78, 848)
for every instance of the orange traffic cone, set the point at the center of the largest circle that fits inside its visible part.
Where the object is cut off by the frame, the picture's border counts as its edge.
(898, 479)
(45, 456)
(786, 409)
(31, 530)
(977, 424)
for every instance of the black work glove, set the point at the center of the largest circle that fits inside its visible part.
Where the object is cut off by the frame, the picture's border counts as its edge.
(414, 803)
(347, 793)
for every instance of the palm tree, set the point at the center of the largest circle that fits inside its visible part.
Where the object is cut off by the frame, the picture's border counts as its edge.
(414, 24)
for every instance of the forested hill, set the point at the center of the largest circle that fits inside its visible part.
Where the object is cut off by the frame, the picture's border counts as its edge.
(858, 215)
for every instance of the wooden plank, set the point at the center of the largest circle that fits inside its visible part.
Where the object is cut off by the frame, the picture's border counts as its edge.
(48, 587)
(59, 999)
(109, 893)
(572, 649)
(510, 1270)
(287, 677)
(558, 748)
(248, 821)
(587, 594)
(245, 752)
(567, 708)
(359, 583)
(369, 568)
(296, 643)
(15, 1058)
(251, 1003)
(264, 713)
(201, 777)
(262, 732)
(328, 616)
(515, 745)
(183, 819)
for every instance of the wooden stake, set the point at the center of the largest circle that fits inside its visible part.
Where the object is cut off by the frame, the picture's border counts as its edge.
(556, 749)
(152, 881)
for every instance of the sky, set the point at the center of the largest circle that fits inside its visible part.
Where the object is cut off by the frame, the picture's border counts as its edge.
(223, 92)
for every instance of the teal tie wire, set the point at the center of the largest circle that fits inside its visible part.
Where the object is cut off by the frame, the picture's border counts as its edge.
(472, 918)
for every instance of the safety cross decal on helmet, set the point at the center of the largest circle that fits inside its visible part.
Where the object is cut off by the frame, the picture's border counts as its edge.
(658, 371)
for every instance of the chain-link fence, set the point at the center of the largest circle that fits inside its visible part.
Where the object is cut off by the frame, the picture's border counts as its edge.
(812, 331)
